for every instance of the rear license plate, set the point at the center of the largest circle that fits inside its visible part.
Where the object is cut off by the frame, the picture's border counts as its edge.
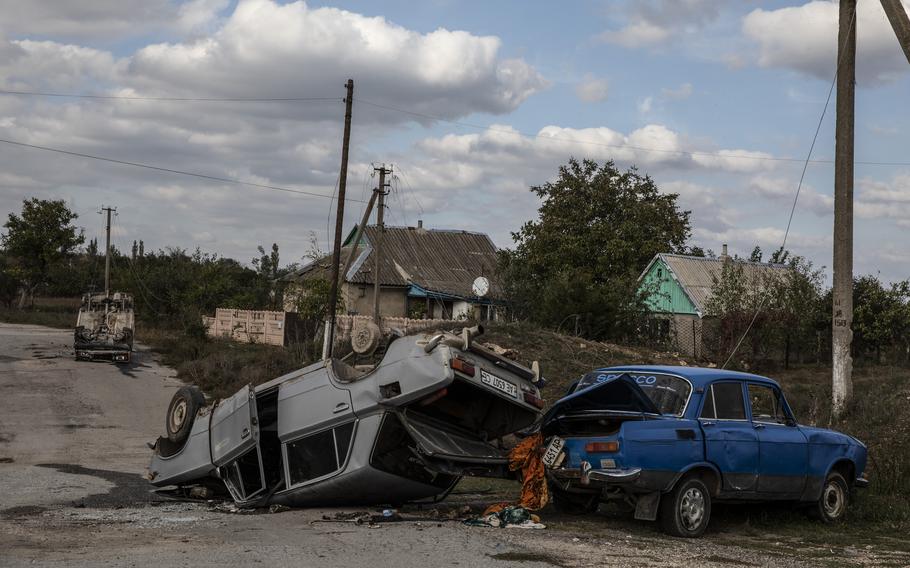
(553, 450)
(498, 384)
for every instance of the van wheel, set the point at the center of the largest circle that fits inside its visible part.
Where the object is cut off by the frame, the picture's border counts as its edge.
(573, 503)
(182, 412)
(686, 510)
(832, 505)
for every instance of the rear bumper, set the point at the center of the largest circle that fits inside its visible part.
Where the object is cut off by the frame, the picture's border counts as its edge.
(587, 475)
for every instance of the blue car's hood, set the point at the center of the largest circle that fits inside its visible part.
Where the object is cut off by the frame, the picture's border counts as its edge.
(619, 393)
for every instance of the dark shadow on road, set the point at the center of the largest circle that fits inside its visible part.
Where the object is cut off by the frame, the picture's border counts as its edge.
(129, 488)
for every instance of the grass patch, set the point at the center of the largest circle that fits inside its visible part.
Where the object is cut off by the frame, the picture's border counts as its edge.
(61, 317)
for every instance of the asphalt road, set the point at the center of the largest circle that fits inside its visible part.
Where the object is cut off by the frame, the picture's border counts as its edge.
(72, 492)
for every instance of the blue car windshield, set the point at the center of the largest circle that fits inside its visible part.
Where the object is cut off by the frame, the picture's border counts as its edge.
(668, 393)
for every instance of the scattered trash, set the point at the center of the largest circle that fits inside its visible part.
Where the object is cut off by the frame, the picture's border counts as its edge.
(510, 516)
(277, 508)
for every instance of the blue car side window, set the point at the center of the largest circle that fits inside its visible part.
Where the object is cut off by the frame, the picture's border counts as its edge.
(728, 401)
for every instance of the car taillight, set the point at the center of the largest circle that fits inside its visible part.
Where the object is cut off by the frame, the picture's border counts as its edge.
(601, 447)
(462, 366)
(533, 400)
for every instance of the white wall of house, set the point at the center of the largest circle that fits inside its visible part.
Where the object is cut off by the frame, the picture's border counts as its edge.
(462, 310)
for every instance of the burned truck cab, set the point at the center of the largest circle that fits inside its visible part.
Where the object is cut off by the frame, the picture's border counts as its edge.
(434, 408)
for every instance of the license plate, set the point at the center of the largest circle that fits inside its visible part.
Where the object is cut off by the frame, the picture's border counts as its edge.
(498, 384)
(553, 450)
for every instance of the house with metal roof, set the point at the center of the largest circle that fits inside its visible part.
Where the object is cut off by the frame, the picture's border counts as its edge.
(679, 290)
(423, 273)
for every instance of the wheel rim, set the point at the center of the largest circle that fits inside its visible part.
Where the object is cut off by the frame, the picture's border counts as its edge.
(692, 508)
(178, 416)
(833, 500)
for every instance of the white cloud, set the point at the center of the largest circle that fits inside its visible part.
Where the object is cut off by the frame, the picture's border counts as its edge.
(804, 38)
(735, 160)
(649, 23)
(84, 18)
(639, 34)
(592, 89)
(885, 200)
(783, 191)
(645, 104)
(684, 91)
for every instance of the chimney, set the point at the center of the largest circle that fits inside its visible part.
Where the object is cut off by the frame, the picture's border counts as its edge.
(420, 223)
(723, 253)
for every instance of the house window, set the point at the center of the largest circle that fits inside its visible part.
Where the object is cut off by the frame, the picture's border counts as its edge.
(660, 272)
(318, 455)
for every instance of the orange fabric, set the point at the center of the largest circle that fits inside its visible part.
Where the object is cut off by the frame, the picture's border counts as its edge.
(526, 456)
(494, 508)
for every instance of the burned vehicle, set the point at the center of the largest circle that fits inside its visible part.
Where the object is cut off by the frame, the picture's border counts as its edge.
(434, 408)
(669, 441)
(104, 328)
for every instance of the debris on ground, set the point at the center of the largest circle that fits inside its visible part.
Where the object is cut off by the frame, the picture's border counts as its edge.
(510, 516)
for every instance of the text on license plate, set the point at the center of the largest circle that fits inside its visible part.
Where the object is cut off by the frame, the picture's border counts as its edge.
(553, 450)
(499, 384)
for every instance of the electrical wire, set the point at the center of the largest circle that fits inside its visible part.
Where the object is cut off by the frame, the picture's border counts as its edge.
(799, 187)
(691, 153)
(171, 99)
(169, 170)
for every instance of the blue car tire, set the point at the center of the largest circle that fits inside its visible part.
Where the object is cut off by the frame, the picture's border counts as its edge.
(832, 505)
(686, 510)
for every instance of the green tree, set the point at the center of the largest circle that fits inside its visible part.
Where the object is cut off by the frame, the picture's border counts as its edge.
(37, 240)
(597, 228)
(881, 316)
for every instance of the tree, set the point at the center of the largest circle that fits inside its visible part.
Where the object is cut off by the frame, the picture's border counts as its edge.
(881, 316)
(597, 228)
(38, 239)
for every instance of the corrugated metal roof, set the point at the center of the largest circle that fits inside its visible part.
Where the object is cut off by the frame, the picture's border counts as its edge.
(444, 261)
(697, 274)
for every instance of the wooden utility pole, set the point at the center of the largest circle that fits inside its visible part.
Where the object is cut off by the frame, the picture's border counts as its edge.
(339, 218)
(107, 251)
(842, 316)
(377, 246)
(900, 22)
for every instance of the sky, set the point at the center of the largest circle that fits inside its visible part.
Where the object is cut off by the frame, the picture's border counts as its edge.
(471, 102)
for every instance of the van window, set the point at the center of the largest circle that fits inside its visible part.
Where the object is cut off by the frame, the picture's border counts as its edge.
(318, 455)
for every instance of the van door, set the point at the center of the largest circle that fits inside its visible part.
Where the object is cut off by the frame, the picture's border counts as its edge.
(234, 428)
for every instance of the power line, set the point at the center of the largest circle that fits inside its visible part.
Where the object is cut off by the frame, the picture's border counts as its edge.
(171, 99)
(793, 207)
(169, 170)
(691, 153)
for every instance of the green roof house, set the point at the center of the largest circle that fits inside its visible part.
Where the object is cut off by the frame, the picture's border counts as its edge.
(679, 290)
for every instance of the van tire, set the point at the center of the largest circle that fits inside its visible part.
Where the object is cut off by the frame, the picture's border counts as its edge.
(181, 413)
(686, 510)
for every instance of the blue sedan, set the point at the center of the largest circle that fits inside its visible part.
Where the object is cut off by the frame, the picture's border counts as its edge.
(671, 440)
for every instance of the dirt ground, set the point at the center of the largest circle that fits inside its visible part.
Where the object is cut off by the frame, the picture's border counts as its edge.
(72, 492)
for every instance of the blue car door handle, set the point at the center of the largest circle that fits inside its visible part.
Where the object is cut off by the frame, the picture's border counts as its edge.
(758, 426)
(707, 423)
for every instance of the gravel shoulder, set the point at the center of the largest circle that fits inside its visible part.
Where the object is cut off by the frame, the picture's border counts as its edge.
(72, 492)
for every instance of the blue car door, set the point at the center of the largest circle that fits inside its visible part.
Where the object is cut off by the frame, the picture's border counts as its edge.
(731, 443)
(783, 451)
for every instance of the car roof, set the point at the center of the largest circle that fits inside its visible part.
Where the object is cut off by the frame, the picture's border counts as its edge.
(698, 376)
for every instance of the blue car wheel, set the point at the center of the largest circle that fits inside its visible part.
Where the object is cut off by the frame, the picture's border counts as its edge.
(832, 505)
(686, 510)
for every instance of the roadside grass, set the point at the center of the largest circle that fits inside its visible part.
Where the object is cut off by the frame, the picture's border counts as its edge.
(55, 315)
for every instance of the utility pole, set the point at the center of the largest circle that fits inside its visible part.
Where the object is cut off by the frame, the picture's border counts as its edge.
(842, 316)
(900, 22)
(339, 218)
(107, 251)
(377, 246)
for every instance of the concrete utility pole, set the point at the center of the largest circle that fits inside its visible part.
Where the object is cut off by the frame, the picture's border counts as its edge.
(339, 219)
(900, 22)
(842, 320)
(107, 251)
(377, 246)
